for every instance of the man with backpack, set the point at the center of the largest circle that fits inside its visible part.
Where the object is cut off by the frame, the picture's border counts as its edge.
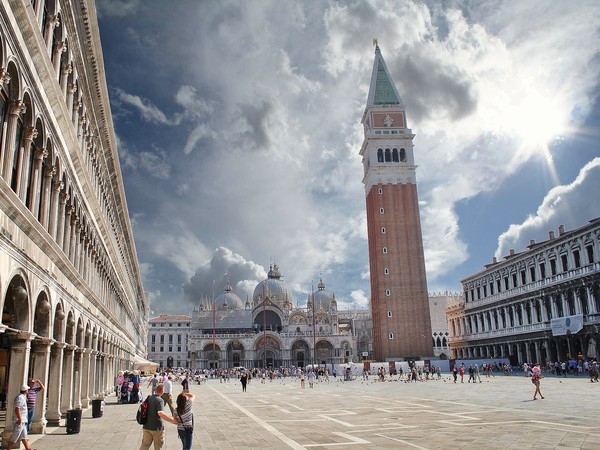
(153, 429)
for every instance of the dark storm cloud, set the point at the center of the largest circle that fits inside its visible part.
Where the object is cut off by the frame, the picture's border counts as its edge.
(433, 89)
(224, 266)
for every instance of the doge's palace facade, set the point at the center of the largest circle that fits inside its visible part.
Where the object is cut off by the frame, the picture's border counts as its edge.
(73, 306)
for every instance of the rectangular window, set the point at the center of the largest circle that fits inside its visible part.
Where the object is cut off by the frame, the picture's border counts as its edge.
(514, 279)
(170, 349)
(564, 262)
(506, 287)
(170, 339)
(391, 336)
(577, 259)
(388, 292)
(162, 338)
(542, 271)
(382, 230)
(380, 191)
(384, 250)
(492, 288)
(380, 210)
(523, 278)
(179, 339)
(162, 349)
(590, 253)
(153, 339)
(485, 291)
(152, 349)
(499, 285)
(478, 293)
(553, 267)
(532, 273)
(179, 348)
(389, 314)
(386, 271)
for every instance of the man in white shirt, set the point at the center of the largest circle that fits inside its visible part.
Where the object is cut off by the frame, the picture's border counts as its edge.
(167, 391)
(20, 420)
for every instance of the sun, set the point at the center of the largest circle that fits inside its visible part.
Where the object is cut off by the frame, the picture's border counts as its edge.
(538, 120)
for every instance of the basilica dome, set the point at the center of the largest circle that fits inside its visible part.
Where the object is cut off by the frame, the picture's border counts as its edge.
(273, 287)
(228, 299)
(323, 299)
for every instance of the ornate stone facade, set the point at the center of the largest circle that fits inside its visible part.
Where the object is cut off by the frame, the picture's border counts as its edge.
(521, 308)
(73, 306)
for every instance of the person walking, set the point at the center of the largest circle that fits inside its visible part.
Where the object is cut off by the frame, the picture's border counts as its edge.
(536, 375)
(184, 419)
(244, 381)
(153, 430)
(153, 382)
(185, 384)
(31, 399)
(167, 392)
(20, 420)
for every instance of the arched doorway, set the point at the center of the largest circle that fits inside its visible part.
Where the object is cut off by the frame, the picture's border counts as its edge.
(324, 352)
(235, 354)
(212, 356)
(268, 352)
(300, 353)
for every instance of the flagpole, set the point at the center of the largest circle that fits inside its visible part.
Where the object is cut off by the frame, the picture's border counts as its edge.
(312, 289)
(214, 320)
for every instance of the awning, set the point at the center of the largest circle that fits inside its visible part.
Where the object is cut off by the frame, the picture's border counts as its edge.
(143, 364)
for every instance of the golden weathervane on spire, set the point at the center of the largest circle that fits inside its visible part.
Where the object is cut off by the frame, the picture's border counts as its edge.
(375, 42)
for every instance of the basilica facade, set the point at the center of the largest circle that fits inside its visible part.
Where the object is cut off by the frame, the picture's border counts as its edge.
(268, 330)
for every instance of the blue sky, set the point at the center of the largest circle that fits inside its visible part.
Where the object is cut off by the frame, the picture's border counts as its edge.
(239, 132)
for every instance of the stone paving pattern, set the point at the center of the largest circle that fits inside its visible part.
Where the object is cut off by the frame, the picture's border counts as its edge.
(498, 413)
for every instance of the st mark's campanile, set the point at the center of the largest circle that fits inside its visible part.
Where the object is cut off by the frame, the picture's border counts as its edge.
(399, 298)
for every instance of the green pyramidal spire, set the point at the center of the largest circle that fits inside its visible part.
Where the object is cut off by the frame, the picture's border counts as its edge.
(382, 90)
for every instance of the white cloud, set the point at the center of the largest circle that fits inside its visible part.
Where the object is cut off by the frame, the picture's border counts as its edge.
(574, 202)
(269, 108)
(149, 111)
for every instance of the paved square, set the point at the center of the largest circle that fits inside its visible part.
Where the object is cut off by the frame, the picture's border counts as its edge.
(497, 413)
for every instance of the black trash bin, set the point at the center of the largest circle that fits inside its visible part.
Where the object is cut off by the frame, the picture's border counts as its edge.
(73, 421)
(97, 408)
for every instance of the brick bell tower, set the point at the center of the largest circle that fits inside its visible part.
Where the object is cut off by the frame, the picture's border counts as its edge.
(399, 298)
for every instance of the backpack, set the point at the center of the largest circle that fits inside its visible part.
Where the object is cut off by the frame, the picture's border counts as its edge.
(142, 413)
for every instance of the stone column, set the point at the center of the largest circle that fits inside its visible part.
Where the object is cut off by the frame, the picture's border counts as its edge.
(77, 373)
(59, 49)
(45, 200)
(20, 345)
(72, 237)
(41, 350)
(66, 70)
(54, 198)
(60, 219)
(85, 377)
(15, 109)
(66, 399)
(34, 182)
(67, 231)
(578, 304)
(92, 389)
(538, 355)
(76, 106)
(71, 88)
(52, 23)
(590, 300)
(55, 385)
(29, 134)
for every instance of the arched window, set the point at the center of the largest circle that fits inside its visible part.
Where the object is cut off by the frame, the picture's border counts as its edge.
(402, 155)
(395, 155)
(388, 156)
(379, 155)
